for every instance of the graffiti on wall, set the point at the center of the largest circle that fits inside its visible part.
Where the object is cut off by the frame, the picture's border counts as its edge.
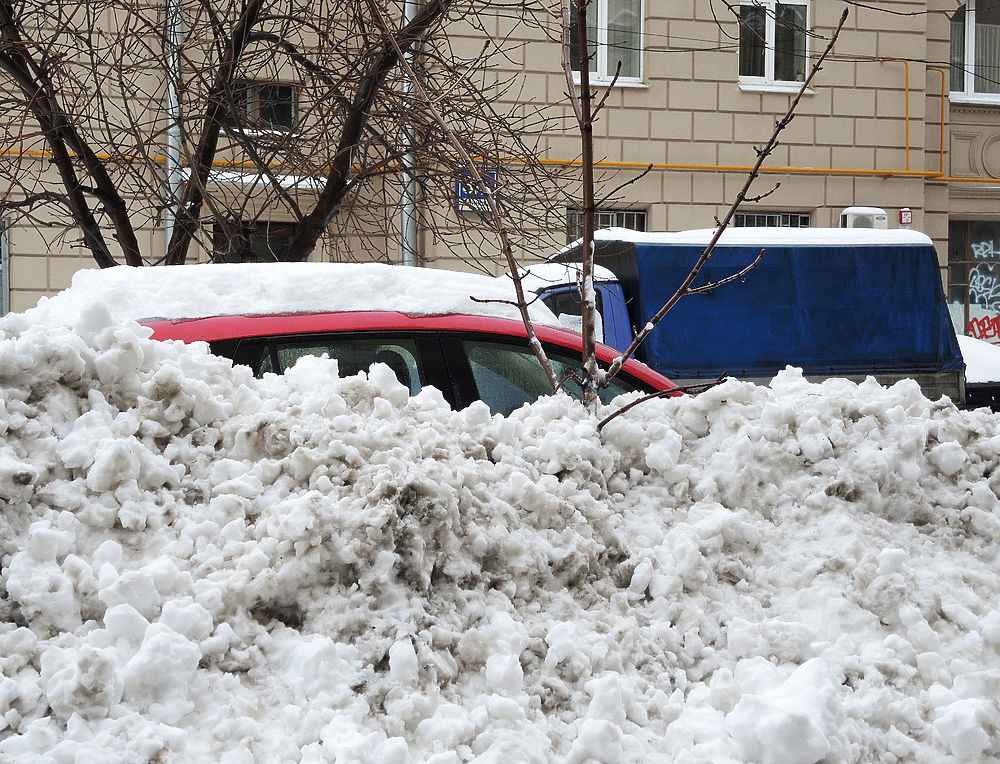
(984, 250)
(984, 291)
(984, 286)
(984, 328)
(984, 281)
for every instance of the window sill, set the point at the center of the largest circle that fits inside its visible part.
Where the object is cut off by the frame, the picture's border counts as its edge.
(261, 132)
(764, 86)
(975, 99)
(273, 133)
(606, 82)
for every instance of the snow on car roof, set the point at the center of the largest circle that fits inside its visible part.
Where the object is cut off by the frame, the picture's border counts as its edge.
(197, 291)
(982, 360)
(803, 237)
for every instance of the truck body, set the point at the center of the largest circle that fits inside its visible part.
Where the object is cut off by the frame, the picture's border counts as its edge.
(835, 302)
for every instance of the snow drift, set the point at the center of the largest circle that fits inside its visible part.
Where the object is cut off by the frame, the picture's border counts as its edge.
(198, 566)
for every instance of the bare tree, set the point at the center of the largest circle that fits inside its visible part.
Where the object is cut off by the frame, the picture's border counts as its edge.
(85, 83)
(586, 110)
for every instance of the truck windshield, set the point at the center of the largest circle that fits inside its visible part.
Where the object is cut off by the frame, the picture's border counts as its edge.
(567, 302)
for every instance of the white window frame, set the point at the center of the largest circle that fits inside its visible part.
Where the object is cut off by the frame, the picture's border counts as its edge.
(779, 216)
(619, 217)
(599, 74)
(969, 94)
(767, 83)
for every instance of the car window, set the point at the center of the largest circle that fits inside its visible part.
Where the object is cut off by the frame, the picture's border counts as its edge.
(353, 354)
(507, 377)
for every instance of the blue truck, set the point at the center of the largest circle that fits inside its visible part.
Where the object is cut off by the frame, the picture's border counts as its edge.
(835, 302)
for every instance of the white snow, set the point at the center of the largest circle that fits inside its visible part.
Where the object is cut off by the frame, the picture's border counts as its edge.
(199, 566)
(982, 360)
(763, 237)
(197, 291)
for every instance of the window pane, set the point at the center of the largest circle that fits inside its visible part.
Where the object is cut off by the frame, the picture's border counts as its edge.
(277, 105)
(355, 355)
(568, 303)
(562, 364)
(752, 38)
(771, 220)
(271, 241)
(574, 50)
(974, 278)
(790, 43)
(242, 105)
(624, 39)
(508, 377)
(263, 242)
(634, 220)
(958, 50)
(987, 69)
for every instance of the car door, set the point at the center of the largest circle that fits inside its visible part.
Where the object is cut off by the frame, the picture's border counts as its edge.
(415, 357)
(504, 373)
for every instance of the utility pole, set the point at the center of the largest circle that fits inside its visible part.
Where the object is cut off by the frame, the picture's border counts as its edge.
(173, 33)
(408, 222)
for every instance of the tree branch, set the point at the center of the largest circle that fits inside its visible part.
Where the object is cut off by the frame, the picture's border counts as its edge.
(189, 204)
(486, 189)
(338, 179)
(584, 112)
(35, 82)
(685, 288)
(698, 388)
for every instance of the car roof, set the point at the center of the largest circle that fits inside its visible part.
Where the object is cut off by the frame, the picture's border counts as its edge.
(236, 327)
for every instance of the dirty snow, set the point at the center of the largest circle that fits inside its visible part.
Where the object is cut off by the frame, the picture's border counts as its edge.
(198, 291)
(198, 566)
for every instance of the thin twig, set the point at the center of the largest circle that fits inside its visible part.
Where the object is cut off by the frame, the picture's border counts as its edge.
(685, 288)
(484, 187)
(697, 388)
(713, 285)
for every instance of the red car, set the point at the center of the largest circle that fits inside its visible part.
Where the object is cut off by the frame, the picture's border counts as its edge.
(468, 358)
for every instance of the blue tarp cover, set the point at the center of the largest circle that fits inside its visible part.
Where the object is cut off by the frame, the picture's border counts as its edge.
(825, 309)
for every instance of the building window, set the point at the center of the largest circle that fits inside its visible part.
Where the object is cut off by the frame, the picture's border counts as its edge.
(266, 105)
(632, 219)
(614, 35)
(254, 242)
(771, 220)
(974, 278)
(773, 43)
(975, 51)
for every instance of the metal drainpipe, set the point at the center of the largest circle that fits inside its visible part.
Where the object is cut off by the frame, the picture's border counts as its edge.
(408, 222)
(172, 165)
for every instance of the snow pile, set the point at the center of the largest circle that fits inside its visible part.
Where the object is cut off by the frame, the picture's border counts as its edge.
(982, 360)
(198, 291)
(198, 566)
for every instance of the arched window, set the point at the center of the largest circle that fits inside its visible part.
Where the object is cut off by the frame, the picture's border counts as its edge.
(975, 52)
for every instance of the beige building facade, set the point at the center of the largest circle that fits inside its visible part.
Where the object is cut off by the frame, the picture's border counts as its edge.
(905, 115)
